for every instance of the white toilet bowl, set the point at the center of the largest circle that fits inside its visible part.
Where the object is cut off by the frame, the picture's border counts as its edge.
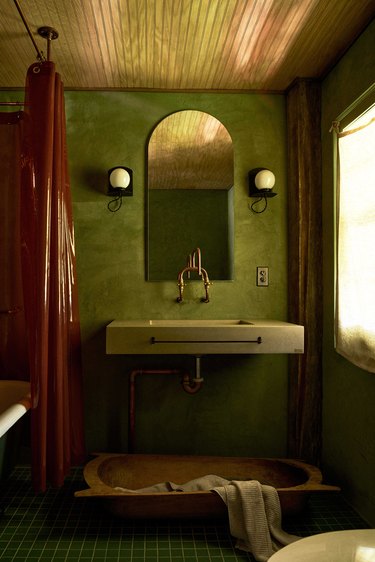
(339, 546)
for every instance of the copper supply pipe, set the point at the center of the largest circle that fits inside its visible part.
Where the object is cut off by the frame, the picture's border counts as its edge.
(189, 387)
(40, 55)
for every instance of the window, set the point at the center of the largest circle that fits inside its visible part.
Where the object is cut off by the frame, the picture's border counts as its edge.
(355, 253)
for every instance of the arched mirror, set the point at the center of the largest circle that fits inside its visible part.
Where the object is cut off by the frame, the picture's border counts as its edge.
(190, 195)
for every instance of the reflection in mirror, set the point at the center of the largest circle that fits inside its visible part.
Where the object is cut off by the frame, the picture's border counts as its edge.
(190, 195)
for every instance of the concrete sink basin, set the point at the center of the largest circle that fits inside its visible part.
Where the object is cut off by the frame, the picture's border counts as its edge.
(203, 337)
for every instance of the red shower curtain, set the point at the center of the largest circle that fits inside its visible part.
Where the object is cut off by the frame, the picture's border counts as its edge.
(50, 284)
(13, 351)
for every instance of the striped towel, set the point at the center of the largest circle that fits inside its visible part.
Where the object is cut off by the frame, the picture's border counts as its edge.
(255, 517)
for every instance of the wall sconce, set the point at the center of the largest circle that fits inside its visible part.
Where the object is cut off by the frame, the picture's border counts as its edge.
(120, 184)
(261, 182)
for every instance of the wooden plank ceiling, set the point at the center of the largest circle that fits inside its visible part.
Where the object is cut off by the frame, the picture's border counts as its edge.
(182, 44)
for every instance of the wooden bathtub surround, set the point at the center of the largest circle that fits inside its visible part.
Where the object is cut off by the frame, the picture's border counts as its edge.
(294, 481)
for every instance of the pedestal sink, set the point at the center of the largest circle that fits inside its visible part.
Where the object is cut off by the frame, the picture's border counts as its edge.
(203, 337)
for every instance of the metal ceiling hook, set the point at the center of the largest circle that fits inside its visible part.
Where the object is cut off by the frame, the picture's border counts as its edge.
(48, 33)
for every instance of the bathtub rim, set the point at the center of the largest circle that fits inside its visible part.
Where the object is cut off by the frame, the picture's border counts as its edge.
(20, 404)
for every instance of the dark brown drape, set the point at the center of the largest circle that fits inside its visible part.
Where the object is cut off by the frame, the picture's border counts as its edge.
(305, 267)
(50, 284)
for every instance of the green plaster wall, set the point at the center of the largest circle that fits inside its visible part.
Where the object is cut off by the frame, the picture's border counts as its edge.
(349, 392)
(241, 409)
(183, 219)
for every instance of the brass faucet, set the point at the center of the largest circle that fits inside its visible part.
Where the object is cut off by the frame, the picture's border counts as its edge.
(194, 263)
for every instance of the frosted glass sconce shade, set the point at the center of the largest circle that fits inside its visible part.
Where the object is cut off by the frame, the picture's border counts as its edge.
(261, 183)
(120, 181)
(265, 179)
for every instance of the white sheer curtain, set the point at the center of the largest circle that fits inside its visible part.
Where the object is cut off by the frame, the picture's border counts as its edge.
(355, 274)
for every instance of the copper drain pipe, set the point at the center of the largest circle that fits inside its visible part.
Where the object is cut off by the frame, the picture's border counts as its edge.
(192, 386)
(189, 386)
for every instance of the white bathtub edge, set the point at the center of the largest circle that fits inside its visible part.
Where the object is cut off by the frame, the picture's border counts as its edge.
(11, 416)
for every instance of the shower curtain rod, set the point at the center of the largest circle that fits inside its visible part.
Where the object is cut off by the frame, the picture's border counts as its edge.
(40, 55)
(12, 103)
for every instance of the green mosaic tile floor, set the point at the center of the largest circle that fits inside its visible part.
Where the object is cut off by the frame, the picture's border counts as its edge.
(58, 527)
